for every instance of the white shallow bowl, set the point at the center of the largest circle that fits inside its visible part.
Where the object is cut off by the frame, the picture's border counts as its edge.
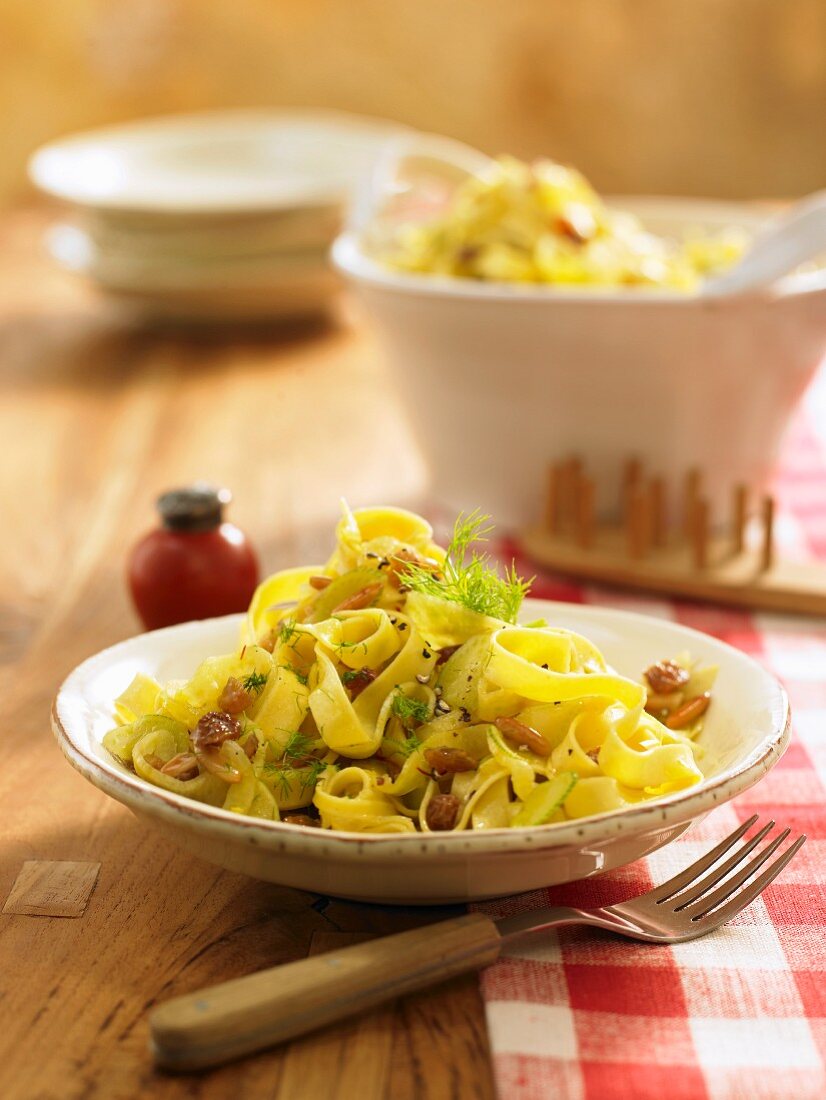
(746, 733)
(246, 287)
(501, 379)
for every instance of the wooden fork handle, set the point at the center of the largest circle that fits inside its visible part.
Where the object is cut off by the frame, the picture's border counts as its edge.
(248, 1014)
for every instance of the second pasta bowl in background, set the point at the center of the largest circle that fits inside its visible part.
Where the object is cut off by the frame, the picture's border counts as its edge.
(501, 377)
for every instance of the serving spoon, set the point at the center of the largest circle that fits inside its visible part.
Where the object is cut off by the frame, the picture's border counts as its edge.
(250, 1013)
(784, 243)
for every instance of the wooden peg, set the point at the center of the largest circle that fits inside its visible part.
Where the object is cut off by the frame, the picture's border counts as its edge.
(552, 500)
(739, 515)
(631, 475)
(638, 522)
(693, 481)
(656, 494)
(767, 550)
(569, 487)
(585, 513)
(699, 533)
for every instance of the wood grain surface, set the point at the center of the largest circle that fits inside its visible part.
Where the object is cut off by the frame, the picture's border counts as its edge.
(96, 417)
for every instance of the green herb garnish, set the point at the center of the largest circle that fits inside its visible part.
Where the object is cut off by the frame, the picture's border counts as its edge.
(297, 747)
(409, 710)
(289, 632)
(467, 577)
(255, 681)
(311, 775)
(297, 763)
(410, 745)
(405, 748)
(299, 675)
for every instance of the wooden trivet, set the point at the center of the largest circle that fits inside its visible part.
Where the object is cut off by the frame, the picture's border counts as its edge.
(688, 559)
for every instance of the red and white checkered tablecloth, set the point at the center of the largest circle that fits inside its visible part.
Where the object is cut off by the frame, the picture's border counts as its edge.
(741, 1013)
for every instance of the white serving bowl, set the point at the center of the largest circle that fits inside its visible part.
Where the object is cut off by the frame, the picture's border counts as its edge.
(500, 379)
(746, 733)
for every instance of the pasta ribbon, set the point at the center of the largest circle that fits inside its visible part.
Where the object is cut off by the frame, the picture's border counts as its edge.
(655, 771)
(351, 800)
(359, 639)
(445, 624)
(141, 697)
(599, 794)
(272, 599)
(549, 665)
(352, 728)
(282, 706)
(378, 533)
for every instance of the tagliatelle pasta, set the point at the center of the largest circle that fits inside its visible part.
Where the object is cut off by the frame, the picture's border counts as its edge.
(544, 223)
(392, 691)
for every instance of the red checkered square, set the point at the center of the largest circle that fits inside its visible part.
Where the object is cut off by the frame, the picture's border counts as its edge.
(654, 991)
(642, 1081)
(811, 988)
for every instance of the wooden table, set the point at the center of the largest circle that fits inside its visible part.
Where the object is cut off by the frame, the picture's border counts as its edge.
(96, 417)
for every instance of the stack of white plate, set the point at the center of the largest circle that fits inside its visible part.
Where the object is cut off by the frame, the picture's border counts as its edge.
(221, 215)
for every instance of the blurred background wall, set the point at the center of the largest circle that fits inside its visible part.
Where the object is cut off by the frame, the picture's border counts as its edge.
(723, 97)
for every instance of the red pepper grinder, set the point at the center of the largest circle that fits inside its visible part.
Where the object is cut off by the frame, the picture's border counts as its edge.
(194, 566)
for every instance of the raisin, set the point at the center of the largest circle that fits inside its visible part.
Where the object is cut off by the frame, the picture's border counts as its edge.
(234, 698)
(666, 676)
(522, 736)
(214, 729)
(183, 766)
(363, 598)
(357, 681)
(441, 812)
(448, 761)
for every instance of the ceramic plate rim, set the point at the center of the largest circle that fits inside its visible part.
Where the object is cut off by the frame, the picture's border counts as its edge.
(46, 165)
(682, 806)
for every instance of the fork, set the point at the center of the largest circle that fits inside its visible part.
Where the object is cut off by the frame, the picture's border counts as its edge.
(250, 1013)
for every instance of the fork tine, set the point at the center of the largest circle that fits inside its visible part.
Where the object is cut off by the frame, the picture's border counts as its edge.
(710, 901)
(686, 877)
(747, 896)
(697, 889)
